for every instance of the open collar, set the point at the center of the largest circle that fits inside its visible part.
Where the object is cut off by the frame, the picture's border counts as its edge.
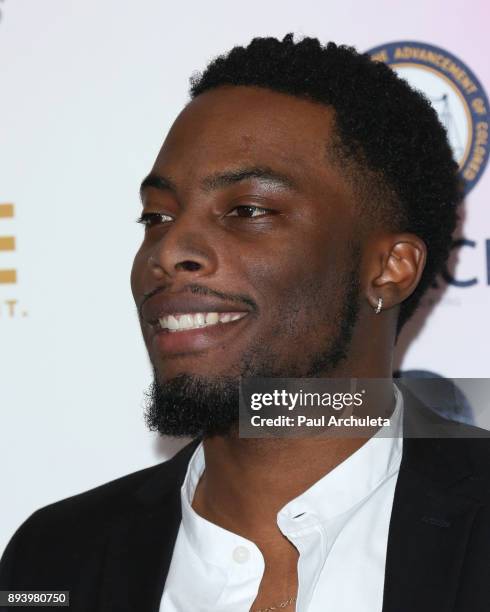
(432, 516)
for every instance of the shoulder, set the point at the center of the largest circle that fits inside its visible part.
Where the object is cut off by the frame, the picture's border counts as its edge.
(452, 456)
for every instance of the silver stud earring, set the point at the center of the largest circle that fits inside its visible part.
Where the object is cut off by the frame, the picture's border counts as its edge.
(379, 306)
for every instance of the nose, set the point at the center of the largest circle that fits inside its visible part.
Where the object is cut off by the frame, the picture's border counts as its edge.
(184, 249)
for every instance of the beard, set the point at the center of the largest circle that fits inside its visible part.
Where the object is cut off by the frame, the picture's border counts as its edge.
(193, 406)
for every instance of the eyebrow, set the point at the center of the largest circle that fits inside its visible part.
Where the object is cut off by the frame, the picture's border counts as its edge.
(224, 179)
(159, 182)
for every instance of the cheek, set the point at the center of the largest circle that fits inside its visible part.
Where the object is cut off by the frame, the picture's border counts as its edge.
(301, 286)
(291, 281)
(290, 266)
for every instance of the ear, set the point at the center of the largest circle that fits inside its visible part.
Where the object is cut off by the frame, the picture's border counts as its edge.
(395, 269)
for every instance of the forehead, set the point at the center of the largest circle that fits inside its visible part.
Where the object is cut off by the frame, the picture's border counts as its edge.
(234, 126)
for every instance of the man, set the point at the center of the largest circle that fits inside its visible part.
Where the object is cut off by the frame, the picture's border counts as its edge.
(301, 204)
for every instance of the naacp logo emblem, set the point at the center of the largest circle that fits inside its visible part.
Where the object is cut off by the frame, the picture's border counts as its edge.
(456, 94)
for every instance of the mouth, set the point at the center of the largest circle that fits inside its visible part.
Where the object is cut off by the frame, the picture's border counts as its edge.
(196, 320)
(181, 333)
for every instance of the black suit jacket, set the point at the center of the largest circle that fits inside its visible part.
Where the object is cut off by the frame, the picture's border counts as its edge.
(111, 547)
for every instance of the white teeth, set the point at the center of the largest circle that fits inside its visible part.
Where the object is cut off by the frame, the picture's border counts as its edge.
(172, 323)
(187, 321)
(200, 319)
(212, 318)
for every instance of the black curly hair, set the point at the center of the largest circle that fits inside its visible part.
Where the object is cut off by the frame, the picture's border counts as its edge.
(388, 136)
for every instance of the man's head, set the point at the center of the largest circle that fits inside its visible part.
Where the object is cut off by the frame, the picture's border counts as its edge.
(300, 185)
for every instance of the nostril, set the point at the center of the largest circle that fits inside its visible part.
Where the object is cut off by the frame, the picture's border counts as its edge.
(190, 265)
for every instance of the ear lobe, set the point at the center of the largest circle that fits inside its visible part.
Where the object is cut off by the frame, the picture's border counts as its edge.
(402, 268)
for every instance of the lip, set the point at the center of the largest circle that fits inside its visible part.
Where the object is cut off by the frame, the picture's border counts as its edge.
(161, 304)
(196, 340)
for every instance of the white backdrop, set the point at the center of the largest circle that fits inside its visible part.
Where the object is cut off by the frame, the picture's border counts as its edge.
(87, 92)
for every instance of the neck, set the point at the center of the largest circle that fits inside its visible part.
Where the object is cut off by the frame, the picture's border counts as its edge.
(241, 489)
(247, 481)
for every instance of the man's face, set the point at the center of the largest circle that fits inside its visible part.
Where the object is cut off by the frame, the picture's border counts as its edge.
(259, 224)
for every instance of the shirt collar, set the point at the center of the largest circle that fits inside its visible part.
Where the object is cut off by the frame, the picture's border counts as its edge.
(350, 482)
(335, 494)
(211, 542)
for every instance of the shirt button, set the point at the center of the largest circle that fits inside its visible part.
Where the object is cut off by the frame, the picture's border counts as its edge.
(241, 554)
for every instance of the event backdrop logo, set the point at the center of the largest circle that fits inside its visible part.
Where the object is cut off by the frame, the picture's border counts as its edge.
(456, 94)
(9, 306)
(7, 243)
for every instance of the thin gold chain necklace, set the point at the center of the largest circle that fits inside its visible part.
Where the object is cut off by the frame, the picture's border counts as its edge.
(279, 606)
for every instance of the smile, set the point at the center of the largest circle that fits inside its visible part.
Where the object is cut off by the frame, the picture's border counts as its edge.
(186, 321)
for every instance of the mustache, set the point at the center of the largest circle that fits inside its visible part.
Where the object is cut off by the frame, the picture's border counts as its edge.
(195, 289)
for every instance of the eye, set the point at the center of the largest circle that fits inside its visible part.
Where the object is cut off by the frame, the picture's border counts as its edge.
(248, 212)
(150, 219)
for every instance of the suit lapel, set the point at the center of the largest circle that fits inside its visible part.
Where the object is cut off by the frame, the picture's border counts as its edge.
(140, 543)
(430, 523)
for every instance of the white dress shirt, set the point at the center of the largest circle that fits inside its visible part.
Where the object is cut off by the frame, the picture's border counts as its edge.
(339, 526)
